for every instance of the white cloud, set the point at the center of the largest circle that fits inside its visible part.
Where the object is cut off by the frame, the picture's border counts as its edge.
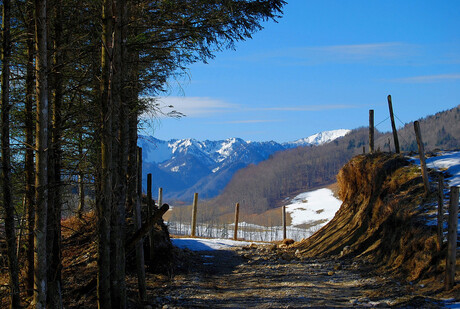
(251, 121)
(302, 108)
(195, 106)
(428, 78)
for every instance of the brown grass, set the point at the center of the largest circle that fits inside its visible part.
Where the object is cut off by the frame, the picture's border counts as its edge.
(380, 218)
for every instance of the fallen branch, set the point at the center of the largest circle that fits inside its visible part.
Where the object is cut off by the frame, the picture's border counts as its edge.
(145, 229)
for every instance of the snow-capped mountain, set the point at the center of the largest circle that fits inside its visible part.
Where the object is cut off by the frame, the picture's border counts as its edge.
(185, 166)
(318, 138)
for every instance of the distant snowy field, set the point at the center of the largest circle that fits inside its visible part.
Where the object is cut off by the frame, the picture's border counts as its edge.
(313, 207)
(197, 244)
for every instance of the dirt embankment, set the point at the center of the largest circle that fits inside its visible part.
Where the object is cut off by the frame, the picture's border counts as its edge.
(383, 218)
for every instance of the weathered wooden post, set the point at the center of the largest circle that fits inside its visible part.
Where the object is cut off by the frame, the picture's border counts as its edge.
(237, 214)
(195, 203)
(140, 262)
(393, 125)
(160, 197)
(284, 222)
(452, 239)
(421, 152)
(150, 211)
(364, 149)
(440, 210)
(371, 131)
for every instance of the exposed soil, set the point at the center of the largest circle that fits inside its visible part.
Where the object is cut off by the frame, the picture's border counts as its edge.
(270, 277)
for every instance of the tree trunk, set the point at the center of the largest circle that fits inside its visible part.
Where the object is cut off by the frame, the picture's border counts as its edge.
(13, 267)
(105, 199)
(41, 180)
(29, 153)
(54, 201)
(81, 177)
(119, 153)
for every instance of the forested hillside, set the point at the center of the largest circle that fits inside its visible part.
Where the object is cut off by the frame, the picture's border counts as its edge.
(261, 187)
(439, 131)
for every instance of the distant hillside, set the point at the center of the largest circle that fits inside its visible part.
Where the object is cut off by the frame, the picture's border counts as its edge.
(439, 131)
(261, 187)
(185, 166)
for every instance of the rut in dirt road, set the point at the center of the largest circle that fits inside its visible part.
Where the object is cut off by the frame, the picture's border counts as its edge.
(252, 277)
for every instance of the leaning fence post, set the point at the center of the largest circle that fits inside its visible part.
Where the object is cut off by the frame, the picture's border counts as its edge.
(393, 125)
(237, 213)
(195, 203)
(371, 131)
(421, 152)
(440, 210)
(284, 222)
(452, 239)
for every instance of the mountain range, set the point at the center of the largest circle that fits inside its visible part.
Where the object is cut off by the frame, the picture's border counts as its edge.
(185, 166)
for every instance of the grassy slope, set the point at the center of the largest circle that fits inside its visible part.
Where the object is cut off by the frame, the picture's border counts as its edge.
(382, 217)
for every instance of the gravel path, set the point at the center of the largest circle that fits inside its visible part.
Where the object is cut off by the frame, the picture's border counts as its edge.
(268, 277)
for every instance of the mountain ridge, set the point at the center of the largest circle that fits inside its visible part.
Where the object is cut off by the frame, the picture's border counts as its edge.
(185, 166)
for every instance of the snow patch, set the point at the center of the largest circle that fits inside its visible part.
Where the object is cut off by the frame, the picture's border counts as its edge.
(309, 207)
(446, 161)
(198, 244)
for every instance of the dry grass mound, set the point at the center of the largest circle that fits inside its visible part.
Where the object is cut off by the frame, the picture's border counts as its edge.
(380, 218)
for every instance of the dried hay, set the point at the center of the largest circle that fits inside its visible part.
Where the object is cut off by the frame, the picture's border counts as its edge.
(378, 219)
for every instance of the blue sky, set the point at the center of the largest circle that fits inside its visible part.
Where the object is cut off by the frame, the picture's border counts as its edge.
(322, 67)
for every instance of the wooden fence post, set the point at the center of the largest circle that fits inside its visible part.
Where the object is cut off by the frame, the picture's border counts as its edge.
(421, 152)
(160, 197)
(237, 214)
(452, 239)
(284, 223)
(195, 203)
(140, 262)
(393, 125)
(440, 211)
(371, 131)
(150, 211)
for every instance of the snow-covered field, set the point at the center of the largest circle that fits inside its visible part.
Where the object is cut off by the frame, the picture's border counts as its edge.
(246, 231)
(198, 244)
(316, 207)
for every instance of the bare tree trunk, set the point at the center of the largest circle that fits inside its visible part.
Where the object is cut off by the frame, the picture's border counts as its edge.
(81, 182)
(41, 180)
(54, 202)
(13, 267)
(105, 199)
(29, 153)
(119, 152)
(136, 189)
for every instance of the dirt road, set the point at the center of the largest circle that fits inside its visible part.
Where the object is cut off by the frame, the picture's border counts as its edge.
(265, 277)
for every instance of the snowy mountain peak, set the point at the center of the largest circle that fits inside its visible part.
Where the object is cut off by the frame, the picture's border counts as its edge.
(319, 138)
